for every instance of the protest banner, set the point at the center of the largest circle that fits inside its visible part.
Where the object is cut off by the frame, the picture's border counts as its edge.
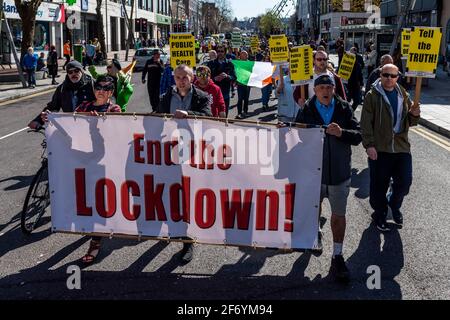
(279, 52)
(182, 49)
(216, 182)
(423, 55)
(236, 40)
(301, 64)
(406, 37)
(255, 43)
(346, 67)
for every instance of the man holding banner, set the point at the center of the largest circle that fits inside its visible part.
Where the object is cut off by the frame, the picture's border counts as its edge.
(386, 116)
(183, 100)
(328, 109)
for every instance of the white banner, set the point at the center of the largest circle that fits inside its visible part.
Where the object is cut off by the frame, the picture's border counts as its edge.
(234, 184)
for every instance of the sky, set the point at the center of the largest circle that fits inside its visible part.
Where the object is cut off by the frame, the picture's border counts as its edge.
(251, 8)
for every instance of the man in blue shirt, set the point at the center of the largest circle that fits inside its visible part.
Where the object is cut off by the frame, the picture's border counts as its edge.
(328, 109)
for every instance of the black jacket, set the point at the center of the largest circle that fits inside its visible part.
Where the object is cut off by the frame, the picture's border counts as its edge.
(62, 98)
(200, 104)
(337, 152)
(155, 71)
(216, 69)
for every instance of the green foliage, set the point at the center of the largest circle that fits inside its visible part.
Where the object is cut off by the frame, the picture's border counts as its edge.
(268, 23)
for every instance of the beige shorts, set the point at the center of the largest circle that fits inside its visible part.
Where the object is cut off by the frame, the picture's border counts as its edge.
(337, 196)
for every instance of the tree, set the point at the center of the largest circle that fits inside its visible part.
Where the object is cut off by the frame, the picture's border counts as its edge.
(27, 11)
(128, 21)
(101, 28)
(269, 23)
(224, 13)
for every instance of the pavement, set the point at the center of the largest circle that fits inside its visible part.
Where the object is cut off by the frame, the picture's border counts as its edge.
(435, 97)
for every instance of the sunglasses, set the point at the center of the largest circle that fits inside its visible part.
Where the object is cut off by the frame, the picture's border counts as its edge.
(387, 75)
(321, 59)
(108, 87)
(72, 71)
(108, 67)
(202, 74)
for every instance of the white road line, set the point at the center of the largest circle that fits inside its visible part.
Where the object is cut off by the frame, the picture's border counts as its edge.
(13, 133)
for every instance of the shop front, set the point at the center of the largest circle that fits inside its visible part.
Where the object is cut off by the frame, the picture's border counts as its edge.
(49, 19)
(163, 25)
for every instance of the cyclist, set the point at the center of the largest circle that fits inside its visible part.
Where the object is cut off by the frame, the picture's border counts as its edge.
(75, 89)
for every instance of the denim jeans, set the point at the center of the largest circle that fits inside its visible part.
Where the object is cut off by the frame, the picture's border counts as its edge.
(397, 166)
(31, 77)
(266, 91)
(243, 96)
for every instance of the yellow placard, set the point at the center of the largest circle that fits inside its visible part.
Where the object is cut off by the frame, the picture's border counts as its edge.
(255, 43)
(301, 64)
(279, 52)
(406, 37)
(346, 67)
(423, 52)
(182, 50)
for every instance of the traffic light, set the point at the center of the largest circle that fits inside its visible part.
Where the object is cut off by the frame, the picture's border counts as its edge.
(144, 25)
(137, 25)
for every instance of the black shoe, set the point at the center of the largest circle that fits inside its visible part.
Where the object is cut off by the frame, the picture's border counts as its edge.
(380, 222)
(398, 217)
(187, 253)
(339, 270)
(54, 82)
(240, 116)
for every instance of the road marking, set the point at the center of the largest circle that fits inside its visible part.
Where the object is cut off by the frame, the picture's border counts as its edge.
(13, 133)
(432, 137)
(26, 97)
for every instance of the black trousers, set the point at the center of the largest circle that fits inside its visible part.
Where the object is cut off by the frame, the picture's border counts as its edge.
(397, 166)
(153, 93)
(243, 96)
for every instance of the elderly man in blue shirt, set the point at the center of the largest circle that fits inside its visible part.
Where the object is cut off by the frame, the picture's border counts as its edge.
(326, 108)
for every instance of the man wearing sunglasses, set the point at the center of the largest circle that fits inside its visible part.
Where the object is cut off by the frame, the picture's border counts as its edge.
(75, 89)
(155, 69)
(222, 73)
(320, 68)
(386, 116)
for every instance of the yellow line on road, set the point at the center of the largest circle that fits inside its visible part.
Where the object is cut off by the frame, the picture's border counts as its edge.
(432, 137)
(27, 97)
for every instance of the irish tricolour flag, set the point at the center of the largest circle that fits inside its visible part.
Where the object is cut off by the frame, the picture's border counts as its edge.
(253, 73)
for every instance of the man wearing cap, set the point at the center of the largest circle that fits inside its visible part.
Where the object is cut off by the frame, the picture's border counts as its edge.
(155, 68)
(75, 89)
(326, 108)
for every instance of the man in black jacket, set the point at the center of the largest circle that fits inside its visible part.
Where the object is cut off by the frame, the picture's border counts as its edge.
(223, 74)
(343, 131)
(184, 100)
(155, 68)
(77, 88)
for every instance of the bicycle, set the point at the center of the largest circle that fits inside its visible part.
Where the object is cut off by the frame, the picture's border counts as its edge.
(38, 196)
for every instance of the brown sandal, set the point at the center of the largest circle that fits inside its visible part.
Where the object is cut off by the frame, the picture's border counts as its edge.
(92, 253)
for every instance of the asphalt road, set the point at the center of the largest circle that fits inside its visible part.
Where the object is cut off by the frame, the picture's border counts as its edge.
(414, 261)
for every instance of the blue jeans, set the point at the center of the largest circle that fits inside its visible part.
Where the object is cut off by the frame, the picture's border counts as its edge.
(266, 91)
(31, 77)
(397, 166)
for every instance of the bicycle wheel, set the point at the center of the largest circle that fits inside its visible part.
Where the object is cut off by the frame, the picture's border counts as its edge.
(36, 201)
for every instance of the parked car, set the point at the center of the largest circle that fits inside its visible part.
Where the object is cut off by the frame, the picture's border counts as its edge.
(143, 54)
